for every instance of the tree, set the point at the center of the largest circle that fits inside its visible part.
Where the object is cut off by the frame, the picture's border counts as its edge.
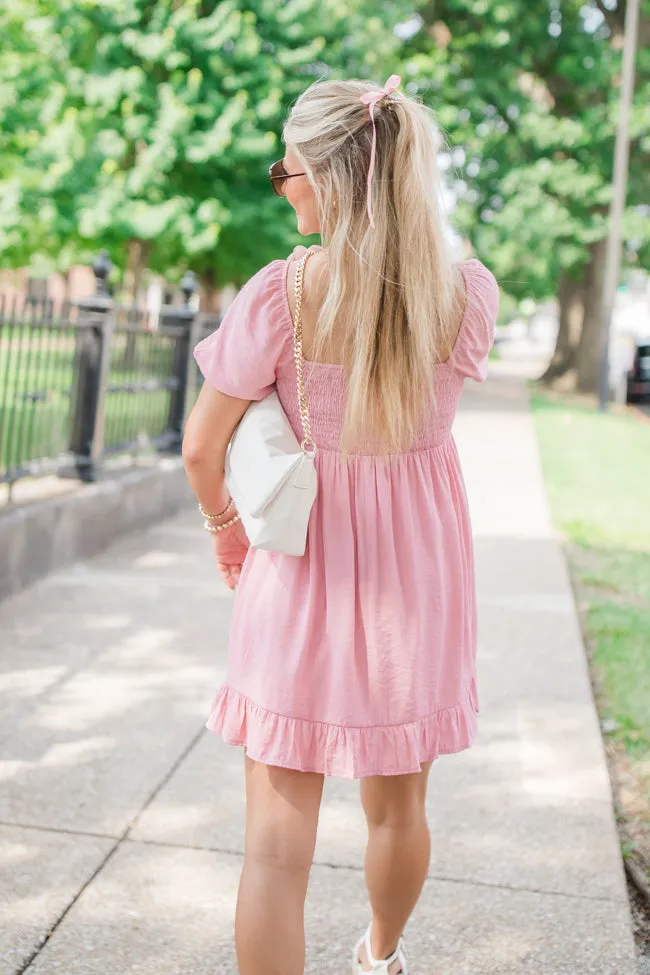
(528, 91)
(24, 77)
(159, 122)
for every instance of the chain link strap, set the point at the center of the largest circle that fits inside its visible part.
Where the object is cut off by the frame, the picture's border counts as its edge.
(308, 441)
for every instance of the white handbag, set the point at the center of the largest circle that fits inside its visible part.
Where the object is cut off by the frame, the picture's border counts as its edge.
(270, 475)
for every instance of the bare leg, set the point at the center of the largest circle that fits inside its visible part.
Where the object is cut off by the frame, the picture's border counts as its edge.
(281, 819)
(397, 855)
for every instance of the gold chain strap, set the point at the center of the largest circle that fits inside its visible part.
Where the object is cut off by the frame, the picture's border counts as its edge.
(308, 441)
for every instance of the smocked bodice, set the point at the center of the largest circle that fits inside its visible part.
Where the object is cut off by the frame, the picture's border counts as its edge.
(252, 353)
(326, 398)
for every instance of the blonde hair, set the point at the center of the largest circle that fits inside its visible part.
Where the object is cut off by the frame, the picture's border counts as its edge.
(392, 291)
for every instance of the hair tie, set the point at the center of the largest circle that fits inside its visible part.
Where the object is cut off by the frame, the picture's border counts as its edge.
(370, 98)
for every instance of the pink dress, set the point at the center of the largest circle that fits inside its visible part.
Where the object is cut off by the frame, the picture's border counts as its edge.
(359, 657)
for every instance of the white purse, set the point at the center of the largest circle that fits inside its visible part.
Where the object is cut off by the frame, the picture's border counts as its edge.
(270, 475)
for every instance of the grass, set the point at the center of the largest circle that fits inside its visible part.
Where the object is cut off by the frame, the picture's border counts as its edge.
(597, 468)
(597, 472)
(37, 379)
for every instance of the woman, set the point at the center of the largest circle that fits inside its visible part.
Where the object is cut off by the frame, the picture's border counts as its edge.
(357, 659)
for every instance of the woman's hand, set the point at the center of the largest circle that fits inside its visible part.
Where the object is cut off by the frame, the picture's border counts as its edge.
(230, 548)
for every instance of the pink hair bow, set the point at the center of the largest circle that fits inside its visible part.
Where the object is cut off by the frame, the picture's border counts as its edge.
(370, 98)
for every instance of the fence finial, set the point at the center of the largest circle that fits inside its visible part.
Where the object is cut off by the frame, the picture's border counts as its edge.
(102, 267)
(188, 285)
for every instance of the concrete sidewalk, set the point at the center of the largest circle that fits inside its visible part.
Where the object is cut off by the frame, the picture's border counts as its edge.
(123, 820)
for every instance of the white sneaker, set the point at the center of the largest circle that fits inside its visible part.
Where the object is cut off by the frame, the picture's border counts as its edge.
(378, 967)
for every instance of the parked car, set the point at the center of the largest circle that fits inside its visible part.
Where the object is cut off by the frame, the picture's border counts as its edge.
(638, 378)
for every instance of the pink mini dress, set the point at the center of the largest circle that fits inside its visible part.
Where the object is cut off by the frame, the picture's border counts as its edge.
(358, 658)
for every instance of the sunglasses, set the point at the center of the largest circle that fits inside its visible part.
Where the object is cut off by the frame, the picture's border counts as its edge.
(278, 176)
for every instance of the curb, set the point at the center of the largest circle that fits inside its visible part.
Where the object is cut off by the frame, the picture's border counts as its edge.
(636, 874)
(40, 537)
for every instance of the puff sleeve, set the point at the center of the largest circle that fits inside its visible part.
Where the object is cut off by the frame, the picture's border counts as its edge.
(240, 357)
(476, 335)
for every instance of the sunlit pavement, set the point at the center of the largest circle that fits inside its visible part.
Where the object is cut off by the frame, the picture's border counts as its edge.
(123, 818)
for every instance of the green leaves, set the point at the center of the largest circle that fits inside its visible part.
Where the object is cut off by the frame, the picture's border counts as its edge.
(139, 119)
(529, 90)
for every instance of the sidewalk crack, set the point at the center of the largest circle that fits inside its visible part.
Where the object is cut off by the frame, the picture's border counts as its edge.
(64, 830)
(111, 853)
(226, 851)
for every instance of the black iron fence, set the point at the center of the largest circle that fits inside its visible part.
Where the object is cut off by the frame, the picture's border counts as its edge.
(93, 379)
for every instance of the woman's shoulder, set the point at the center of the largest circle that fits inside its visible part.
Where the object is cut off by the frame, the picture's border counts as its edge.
(241, 356)
(266, 282)
(314, 292)
(476, 332)
(480, 284)
(263, 299)
(273, 286)
(316, 274)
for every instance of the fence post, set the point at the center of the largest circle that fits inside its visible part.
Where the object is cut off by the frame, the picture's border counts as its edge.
(183, 373)
(92, 358)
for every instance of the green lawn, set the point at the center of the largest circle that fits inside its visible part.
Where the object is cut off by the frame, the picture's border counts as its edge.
(597, 472)
(37, 379)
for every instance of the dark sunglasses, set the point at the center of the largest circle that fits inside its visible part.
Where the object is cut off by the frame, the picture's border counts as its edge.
(278, 176)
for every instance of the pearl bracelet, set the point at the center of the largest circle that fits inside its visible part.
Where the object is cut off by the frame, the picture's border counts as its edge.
(210, 517)
(214, 529)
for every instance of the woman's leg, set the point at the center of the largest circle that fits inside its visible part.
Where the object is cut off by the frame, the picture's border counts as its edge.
(281, 819)
(397, 855)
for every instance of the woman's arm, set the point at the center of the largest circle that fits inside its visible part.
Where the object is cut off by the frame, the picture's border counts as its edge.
(208, 430)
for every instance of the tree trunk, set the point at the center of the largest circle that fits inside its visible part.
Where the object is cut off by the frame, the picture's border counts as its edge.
(571, 298)
(589, 352)
(136, 263)
(210, 292)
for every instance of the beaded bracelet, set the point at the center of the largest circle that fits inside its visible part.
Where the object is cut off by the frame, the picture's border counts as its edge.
(214, 529)
(210, 517)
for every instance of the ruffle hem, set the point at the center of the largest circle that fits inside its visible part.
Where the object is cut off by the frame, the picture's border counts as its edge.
(349, 753)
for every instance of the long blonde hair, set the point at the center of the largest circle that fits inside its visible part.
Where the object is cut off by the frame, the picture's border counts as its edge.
(392, 291)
